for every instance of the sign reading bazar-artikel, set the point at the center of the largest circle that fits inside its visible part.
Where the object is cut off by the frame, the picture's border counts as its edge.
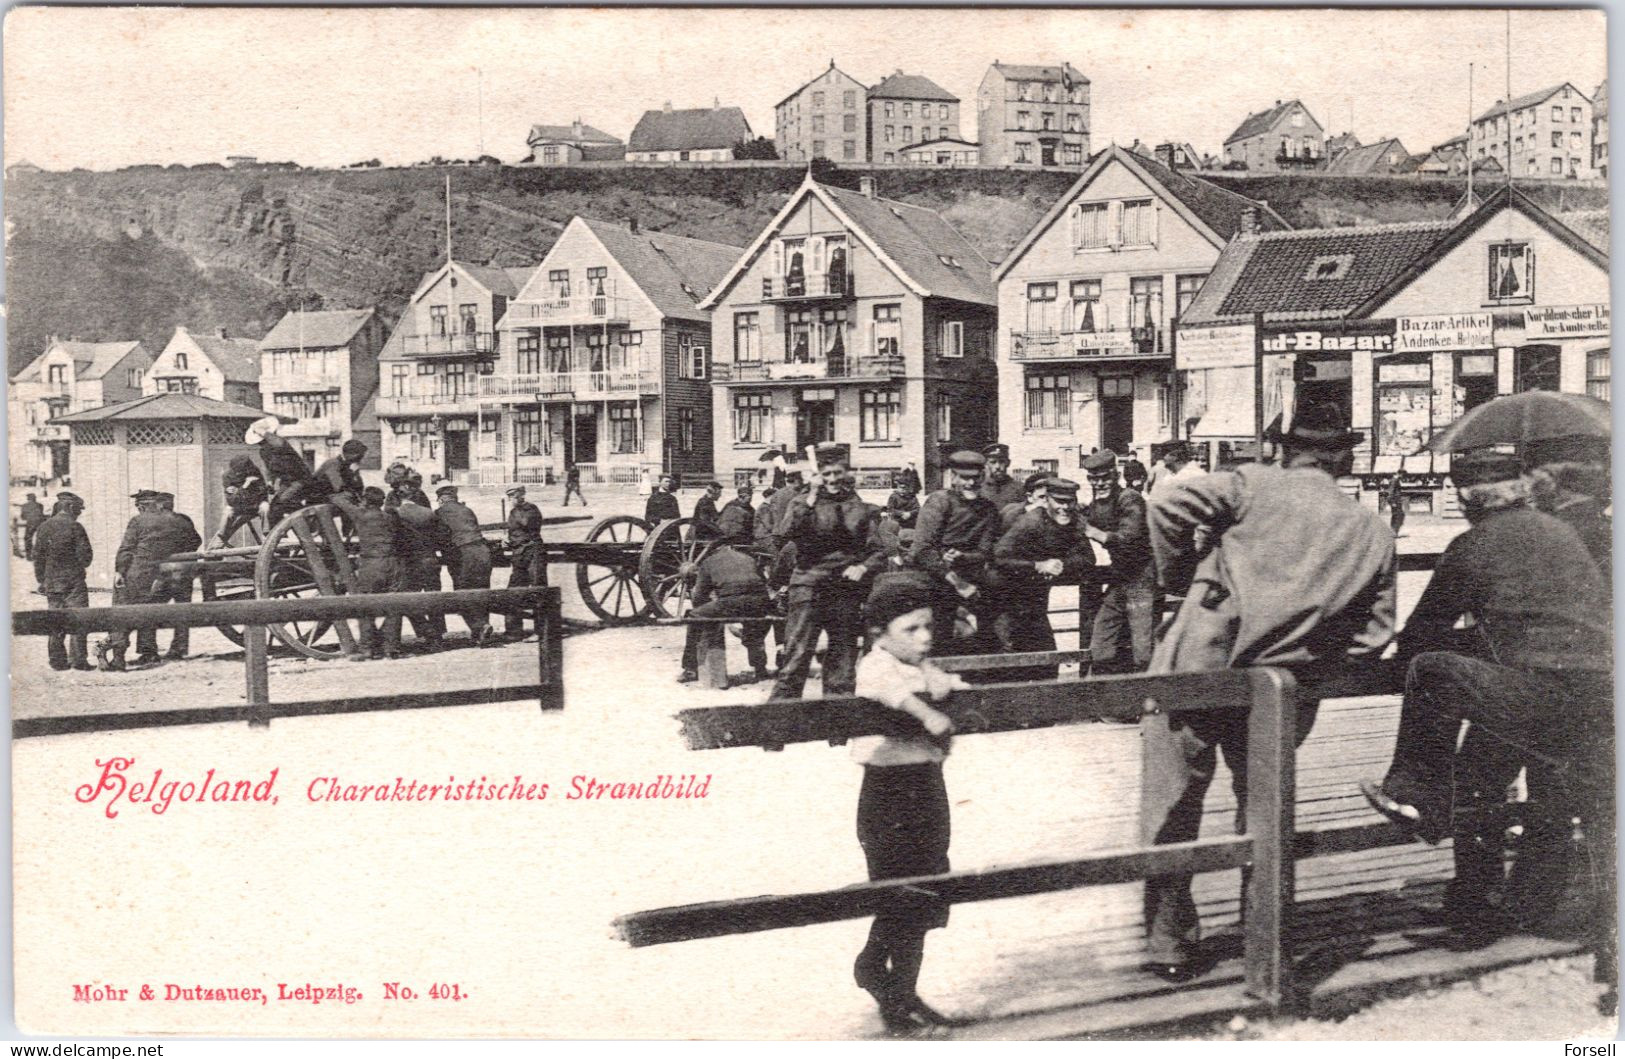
(1425, 334)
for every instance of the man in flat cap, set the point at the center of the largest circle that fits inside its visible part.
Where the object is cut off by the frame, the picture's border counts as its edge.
(1293, 571)
(706, 512)
(728, 584)
(1535, 667)
(997, 485)
(468, 556)
(1120, 641)
(1033, 486)
(662, 503)
(338, 479)
(62, 554)
(837, 551)
(526, 553)
(292, 478)
(953, 542)
(744, 511)
(152, 536)
(1040, 548)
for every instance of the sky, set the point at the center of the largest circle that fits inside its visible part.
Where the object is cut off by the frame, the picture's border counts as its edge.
(104, 88)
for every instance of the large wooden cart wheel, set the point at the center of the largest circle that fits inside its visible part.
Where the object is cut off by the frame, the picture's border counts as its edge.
(670, 564)
(227, 588)
(305, 555)
(614, 591)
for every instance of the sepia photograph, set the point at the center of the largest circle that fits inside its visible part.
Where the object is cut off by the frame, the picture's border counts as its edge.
(810, 523)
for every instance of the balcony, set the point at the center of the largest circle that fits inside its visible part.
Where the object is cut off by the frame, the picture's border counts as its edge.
(580, 309)
(568, 386)
(812, 286)
(299, 382)
(311, 426)
(426, 404)
(1121, 344)
(465, 343)
(1298, 161)
(844, 369)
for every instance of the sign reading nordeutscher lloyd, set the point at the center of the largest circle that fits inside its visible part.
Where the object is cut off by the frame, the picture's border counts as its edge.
(1214, 347)
(1425, 334)
(1565, 321)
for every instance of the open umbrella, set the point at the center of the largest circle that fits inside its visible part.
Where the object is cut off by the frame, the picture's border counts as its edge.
(1535, 415)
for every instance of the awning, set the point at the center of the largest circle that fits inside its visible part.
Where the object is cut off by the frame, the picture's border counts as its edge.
(1228, 420)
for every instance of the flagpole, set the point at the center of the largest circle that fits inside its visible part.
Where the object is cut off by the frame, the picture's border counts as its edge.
(1469, 137)
(1509, 100)
(448, 220)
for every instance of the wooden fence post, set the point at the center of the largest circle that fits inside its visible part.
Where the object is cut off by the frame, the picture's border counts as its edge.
(259, 681)
(550, 649)
(1272, 730)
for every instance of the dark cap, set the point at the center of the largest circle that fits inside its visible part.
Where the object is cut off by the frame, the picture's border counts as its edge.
(353, 449)
(834, 452)
(65, 497)
(1034, 480)
(1101, 462)
(447, 488)
(1061, 488)
(966, 460)
(896, 594)
(1317, 426)
(141, 496)
(517, 490)
(372, 496)
(997, 451)
(1481, 466)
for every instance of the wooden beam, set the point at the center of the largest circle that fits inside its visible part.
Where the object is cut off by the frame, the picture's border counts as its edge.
(1018, 660)
(988, 708)
(775, 911)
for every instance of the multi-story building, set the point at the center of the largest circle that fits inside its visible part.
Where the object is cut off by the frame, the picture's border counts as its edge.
(321, 368)
(1283, 137)
(604, 360)
(427, 408)
(1033, 115)
(217, 366)
(67, 377)
(1599, 130)
(571, 144)
(855, 319)
(1549, 133)
(940, 154)
(824, 118)
(1088, 300)
(907, 110)
(1384, 157)
(701, 135)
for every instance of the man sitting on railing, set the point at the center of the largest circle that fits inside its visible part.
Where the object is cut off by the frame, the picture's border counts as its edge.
(1296, 572)
(1536, 670)
(246, 493)
(293, 481)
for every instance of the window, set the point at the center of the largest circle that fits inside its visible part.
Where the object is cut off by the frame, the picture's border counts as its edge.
(1517, 144)
(849, 100)
(908, 134)
(1511, 273)
(833, 340)
(468, 318)
(57, 373)
(1049, 93)
(1185, 291)
(623, 427)
(818, 100)
(1574, 115)
(1041, 307)
(529, 432)
(849, 123)
(437, 319)
(1574, 141)
(1049, 402)
(1048, 119)
(1024, 119)
(455, 382)
(942, 133)
(1024, 152)
(1162, 405)
(878, 415)
(747, 338)
(1536, 368)
(849, 149)
(1557, 139)
(951, 342)
(818, 148)
(753, 418)
(1598, 368)
(1086, 305)
(942, 112)
(798, 336)
(180, 361)
(1139, 223)
(1145, 301)
(891, 132)
(818, 123)
(908, 110)
(1079, 95)
(550, 153)
(891, 110)
(1074, 122)
(399, 374)
(685, 429)
(1074, 154)
(559, 280)
(1329, 266)
(945, 419)
(888, 328)
(691, 358)
(595, 281)
(1023, 90)
(891, 156)
(132, 378)
(558, 354)
(426, 369)
(1557, 167)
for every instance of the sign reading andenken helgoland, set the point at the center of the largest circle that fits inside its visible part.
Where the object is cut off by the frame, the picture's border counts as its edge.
(1565, 321)
(1426, 334)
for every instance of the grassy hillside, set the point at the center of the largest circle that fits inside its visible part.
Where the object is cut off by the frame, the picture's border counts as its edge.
(133, 253)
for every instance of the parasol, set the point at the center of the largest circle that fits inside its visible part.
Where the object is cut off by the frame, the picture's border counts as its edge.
(1535, 415)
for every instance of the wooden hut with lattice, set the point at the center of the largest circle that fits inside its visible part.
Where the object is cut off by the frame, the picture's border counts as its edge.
(176, 443)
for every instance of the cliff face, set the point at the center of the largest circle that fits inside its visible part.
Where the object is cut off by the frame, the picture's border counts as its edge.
(133, 253)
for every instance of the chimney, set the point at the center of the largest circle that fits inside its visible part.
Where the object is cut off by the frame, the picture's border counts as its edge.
(632, 223)
(221, 331)
(1249, 221)
(575, 128)
(716, 103)
(667, 107)
(866, 185)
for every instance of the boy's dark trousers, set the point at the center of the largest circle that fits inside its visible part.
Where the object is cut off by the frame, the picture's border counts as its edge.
(903, 827)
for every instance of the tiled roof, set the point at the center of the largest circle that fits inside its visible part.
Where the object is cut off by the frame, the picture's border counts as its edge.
(1066, 73)
(325, 329)
(494, 279)
(170, 406)
(606, 152)
(1528, 100)
(663, 265)
(567, 134)
(1370, 159)
(519, 275)
(1263, 121)
(237, 358)
(91, 360)
(1269, 273)
(704, 129)
(1591, 225)
(911, 86)
(916, 239)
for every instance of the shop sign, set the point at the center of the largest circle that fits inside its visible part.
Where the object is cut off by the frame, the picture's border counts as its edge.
(1376, 483)
(543, 396)
(1426, 334)
(1310, 340)
(1214, 347)
(1565, 321)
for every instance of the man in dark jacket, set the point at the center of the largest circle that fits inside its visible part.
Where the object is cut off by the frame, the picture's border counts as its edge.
(729, 585)
(293, 481)
(1033, 486)
(417, 570)
(1117, 521)
(525, 552)
(175, 584)
(953, 543)
(705, 508)
(1041, 547)
(405, 486)
(377, 534)
(1536, 670)
(32, 516)
(152, 536)
(338, 479)
(662, 503)
(997, 485)
(572, 484)
(62, 554)
(836, 551)
(742, 510)
(468, 556)
(246, 491)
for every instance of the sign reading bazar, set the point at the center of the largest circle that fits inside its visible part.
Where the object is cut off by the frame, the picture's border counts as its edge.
(1376, 336)
(1565, 321)
(1428, 334)
(1214, 347)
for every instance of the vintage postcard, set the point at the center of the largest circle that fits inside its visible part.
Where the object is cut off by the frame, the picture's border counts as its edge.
(802, 523)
